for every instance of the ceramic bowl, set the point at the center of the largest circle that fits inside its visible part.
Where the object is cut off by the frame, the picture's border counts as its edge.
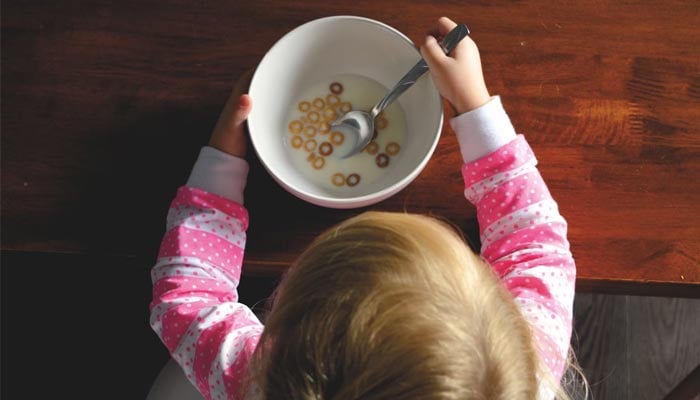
(322, 49)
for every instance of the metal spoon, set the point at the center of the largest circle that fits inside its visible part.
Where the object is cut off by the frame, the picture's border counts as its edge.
(360, 124)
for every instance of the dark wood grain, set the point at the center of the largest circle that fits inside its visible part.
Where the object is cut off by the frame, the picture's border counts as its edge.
(688, 388)
(105, 105)
(664, 344)
(633, 347)
(601, 344)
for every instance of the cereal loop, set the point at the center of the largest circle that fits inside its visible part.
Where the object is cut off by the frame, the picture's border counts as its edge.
(329, 114)
(318, 163)
(336, 88)
(332, 99)
(310, 145)
(326, 149)
(324, 127)
(338, 179)
(297, 141)
(372, 148)
(304, 106)
(352, 180)
(345, 107)
(337, 138)
(313, 117)
(318, 103)
(295, 127)
(392, 148)
(310, 131)
(382, 122)
(311, 157)
(382, 160)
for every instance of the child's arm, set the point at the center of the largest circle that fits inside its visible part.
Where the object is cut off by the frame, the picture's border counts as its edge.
(522, 233)
(195, 309)
(523, 238)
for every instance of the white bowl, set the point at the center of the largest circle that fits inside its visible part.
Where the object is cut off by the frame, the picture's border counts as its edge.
(322, 49)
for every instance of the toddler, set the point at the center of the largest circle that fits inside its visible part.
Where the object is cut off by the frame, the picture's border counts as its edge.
(383, 305)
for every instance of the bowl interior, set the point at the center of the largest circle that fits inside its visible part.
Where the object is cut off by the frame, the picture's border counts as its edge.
(320, 50)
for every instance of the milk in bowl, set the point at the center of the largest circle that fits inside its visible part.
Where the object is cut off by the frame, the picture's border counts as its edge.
(316, 148)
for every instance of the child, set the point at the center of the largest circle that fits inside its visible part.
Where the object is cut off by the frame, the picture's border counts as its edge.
(383, 305)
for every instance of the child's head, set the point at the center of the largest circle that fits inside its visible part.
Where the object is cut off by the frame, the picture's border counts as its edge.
(394, 306)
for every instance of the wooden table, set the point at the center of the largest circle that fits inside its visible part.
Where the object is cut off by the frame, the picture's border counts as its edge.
(106, 103)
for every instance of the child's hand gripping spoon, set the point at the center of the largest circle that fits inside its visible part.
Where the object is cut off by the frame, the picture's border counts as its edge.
(360, 124)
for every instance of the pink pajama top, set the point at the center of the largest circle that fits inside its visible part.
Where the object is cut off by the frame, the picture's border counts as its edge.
(195, 309)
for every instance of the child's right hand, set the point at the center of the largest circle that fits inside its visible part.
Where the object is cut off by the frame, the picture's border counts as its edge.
(458, 76)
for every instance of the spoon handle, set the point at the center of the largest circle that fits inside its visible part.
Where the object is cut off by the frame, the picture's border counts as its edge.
(448, 44)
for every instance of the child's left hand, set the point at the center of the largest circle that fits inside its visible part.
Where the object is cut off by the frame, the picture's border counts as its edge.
(229, 133)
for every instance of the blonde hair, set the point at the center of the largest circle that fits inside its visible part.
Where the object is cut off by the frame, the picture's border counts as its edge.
(394, 306)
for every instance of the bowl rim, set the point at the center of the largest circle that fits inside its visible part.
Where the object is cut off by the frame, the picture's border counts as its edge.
(356, 201)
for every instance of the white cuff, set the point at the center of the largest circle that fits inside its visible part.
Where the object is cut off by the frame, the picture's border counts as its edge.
(483, 130)
(219, 173)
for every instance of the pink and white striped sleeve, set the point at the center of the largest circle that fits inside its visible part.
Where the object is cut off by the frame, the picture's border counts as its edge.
(522, 233)
(523, 238)
(195, 309)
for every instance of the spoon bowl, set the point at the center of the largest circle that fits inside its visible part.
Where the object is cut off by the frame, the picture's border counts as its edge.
(355, 124)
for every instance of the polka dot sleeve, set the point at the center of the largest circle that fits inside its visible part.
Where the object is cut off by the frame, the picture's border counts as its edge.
(195, 309)
(524, 239)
